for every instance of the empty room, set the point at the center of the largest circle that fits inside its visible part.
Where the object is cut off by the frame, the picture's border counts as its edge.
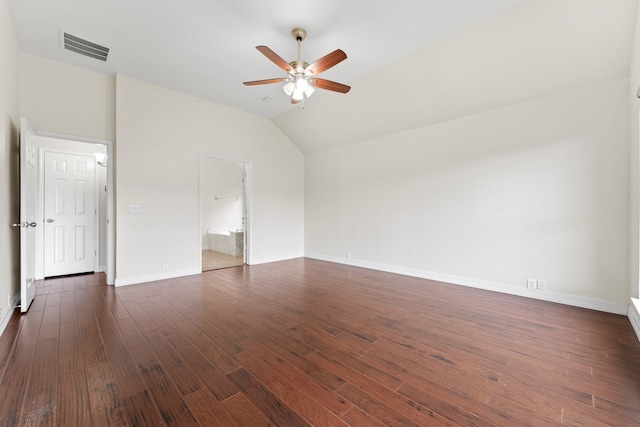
(362, 213)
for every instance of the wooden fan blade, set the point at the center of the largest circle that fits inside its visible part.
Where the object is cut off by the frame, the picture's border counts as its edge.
(329, 85)
(275, 58)
(264, 82)
(326, 62)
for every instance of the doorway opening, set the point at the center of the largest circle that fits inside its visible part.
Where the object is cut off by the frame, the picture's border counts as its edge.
(224, 212)
(60, 242)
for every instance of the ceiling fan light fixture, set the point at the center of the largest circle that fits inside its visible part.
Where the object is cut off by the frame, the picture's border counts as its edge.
(297, 95)
(309, 91)
(299, 83)
(288, 88)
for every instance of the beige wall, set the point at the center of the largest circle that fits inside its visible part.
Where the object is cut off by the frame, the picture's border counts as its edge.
(534, 190)
(160, 134)
(634, 198)
(68, 100)
(9, 202)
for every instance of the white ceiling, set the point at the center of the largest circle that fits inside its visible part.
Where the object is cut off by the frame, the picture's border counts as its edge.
(411, 62)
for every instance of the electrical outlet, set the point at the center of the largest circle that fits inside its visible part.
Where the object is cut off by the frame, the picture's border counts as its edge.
(531, 284)
(542, 285)
(9, 300)
(165, 268)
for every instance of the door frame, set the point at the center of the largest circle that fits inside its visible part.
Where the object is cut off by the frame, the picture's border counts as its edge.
(246, 194)
(110, 219)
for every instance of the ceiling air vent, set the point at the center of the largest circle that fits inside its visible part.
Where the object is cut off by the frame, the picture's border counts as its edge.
(84, 47)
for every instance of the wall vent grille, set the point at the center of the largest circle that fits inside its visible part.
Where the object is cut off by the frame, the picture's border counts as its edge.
(85, 47)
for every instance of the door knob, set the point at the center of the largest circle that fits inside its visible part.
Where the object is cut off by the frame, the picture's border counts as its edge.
(25, 224)
(49, 220)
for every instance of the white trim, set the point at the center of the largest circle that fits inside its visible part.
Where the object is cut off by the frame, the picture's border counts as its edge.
(7, 316)
(257, 261)
(134, 280)
(634, 315)
(6, 319)
(572, 300)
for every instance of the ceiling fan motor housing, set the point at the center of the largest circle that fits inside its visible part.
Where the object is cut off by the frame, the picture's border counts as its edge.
(298, 34)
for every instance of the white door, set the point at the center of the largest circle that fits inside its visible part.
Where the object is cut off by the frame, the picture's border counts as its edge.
(28, 181)
(69, 213)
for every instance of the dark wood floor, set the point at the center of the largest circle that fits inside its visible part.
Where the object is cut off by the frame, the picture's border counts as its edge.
(305, 342)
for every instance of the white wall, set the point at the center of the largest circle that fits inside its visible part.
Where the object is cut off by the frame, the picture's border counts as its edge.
(634, 181)
(160, 134)
(534, 190)
(67, 100)
(9, 200)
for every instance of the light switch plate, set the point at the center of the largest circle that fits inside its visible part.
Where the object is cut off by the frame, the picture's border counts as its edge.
(135, 209)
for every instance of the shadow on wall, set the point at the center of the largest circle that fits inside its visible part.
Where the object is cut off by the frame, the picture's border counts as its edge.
(13, 156)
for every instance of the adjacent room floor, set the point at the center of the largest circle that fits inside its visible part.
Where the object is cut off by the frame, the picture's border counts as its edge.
(212, 260)
(306, 342)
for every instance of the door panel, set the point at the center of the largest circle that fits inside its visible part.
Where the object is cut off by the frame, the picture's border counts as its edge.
(69, 213)
(28, 192)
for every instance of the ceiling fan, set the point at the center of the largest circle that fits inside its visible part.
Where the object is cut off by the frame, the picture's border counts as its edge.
(301, 79)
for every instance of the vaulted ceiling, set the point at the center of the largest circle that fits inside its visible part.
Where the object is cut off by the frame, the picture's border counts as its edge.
(411, 62)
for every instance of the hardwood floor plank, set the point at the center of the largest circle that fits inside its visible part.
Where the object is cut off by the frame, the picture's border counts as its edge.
(140, 410)
(377, 408)
(143, 321)
(213, 378)
(298, 400)
(74, 407)
(13, 383)
(162, 322)
(8, 340)
(288, 375)
(208, 411)
(357, 417)
(456, 407)
(172, 407)
(220, 359)
(40, 401)
(180, 373)
(68, 309)
(124, 368)
(323, 376)
(264, 400)
(106, 407)
(50, 323)
(245, 413)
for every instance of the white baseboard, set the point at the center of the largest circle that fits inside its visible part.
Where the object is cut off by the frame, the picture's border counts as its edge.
(101, 269)
(134, 280)
(5, 320)
(264, 260)
(634, 315)
(573, 300)
(8, 314)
